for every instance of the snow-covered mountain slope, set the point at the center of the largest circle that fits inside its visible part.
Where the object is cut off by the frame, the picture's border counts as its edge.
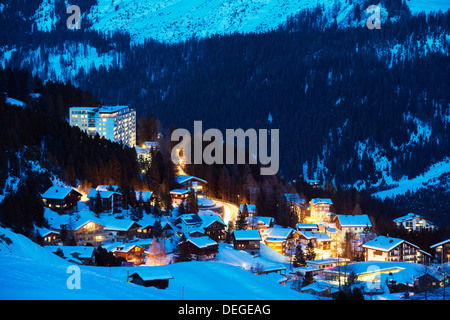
(429, 178)
(177, 20)
(29, 271)
(417, 6)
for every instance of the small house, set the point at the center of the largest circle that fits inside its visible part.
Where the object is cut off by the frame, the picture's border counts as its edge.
(144, 198)
(189, 221)
(130, 252)
(179, 195)
(120, 229)
(152, 277)
(111, 201)
(282, 240)
(311, 227)
(213, 227)
(89, 231)
(83, 255)
(49, 237)
(321, 289)
(61, 199)
(191, 183)
(247, 240)
(202, 248)
(262, 224)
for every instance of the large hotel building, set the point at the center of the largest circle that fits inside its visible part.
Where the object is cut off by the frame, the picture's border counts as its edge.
(115, 123)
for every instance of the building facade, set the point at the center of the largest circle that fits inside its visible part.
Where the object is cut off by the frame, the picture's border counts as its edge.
(320, 209)
(115, 123)
(442, 251)
(414, 222)
(385, 248)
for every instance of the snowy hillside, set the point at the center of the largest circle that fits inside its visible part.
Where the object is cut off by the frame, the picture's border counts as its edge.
(417, 6)
(31, 272)
(177, 20)
(425, 180)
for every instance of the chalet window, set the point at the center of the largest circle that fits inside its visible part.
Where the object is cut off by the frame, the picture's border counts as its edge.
(377, 253)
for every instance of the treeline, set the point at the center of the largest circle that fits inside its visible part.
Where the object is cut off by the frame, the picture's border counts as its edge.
(34, 137)
(328, 88)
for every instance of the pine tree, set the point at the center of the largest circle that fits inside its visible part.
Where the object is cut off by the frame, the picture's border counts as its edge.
(181, 209)
(192, 202)
(299, 258)
(97, 207)
(157, 229)
(181, 252)
(157, 208)
(241, 221)
(230, 228)
(310, 253)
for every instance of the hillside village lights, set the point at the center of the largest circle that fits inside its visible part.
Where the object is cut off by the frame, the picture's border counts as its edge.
(213, 153)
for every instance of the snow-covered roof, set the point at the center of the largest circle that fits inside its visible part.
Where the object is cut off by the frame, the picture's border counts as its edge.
(384, 243)
(247, 235)
(117, 224)
(322, 236)
(326, 261)
(147, 221)
(210, 219)
(190, 232)
(306, 226)
(109, 223)
(279, 232)
(182, 178)
(103, 187)
(103, 194)
(81, 223)
(260, 221)
(153, 273)
(358, 220)
(409, 216)
(69, 251)
(308, 234)
(58, 193)
(439, 243)
(179, 191)
(121, 247)
(320, 286)
(321, 200)
(190, 218)
(43, 232)
(111, 109)
(202, 242)
(319, 236)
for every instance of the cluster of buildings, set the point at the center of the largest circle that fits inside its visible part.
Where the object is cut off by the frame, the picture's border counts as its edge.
(329, 233)
(127, 238)
(332, 234)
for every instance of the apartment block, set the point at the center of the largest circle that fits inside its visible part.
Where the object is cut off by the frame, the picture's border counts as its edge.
(115, 123)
